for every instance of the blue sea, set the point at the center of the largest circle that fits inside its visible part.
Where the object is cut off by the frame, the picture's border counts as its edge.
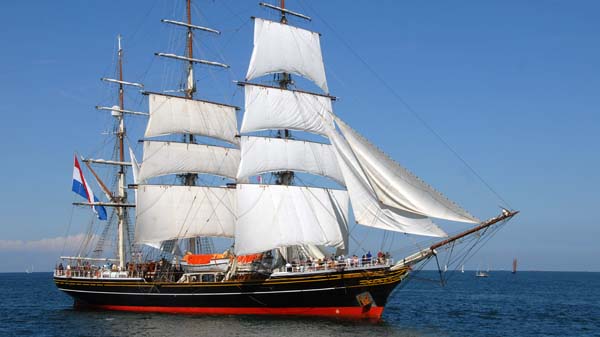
(523, 304)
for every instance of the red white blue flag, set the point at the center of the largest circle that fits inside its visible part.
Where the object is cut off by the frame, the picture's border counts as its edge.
(83, 189)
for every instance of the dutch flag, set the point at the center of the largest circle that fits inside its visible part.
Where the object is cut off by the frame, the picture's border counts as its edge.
(83, 189)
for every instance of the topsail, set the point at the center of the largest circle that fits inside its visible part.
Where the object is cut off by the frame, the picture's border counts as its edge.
(280, 48)
(276, 108)
(178, 115)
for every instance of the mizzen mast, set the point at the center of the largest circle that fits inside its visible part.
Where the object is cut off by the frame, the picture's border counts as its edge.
(118, 200)
(122, 192)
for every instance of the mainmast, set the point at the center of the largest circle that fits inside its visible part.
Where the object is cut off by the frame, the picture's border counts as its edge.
(189, 179)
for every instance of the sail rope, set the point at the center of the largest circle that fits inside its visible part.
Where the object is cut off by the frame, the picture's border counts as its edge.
(473, 246)
(62, 252)
(140, 24)
(476, 242)
(407, 106)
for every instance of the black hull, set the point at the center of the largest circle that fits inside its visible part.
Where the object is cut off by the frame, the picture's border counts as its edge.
(356, 293)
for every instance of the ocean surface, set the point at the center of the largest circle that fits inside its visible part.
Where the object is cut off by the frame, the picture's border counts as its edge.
(523, 304)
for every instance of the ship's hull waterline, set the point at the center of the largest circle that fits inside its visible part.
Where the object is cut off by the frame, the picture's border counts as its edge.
(355, 294)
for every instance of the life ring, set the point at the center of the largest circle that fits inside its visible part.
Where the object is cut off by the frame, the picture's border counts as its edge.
(97, 273)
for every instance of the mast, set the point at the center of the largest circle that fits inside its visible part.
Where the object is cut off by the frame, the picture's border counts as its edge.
(119, 199)
(284, 80)
(122, 192)
(190, 179)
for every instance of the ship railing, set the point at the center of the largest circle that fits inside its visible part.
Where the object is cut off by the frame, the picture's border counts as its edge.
(96, 273)
(335, 265)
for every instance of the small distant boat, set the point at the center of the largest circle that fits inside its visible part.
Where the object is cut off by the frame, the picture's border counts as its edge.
(514, 267)
(29, 271)
(462, 269)
(481, 273)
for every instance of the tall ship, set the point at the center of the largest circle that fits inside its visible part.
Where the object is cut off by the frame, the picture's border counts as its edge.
(289, 241)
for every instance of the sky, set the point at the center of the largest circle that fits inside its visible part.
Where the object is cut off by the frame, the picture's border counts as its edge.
(510, 86)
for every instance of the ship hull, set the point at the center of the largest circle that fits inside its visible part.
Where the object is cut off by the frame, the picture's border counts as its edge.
(347, 294)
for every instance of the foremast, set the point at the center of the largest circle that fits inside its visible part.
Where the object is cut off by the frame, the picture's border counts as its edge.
(284, 80)
(296, 220)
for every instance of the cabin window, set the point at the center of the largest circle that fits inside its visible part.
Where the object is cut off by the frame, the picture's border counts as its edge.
(208, 278)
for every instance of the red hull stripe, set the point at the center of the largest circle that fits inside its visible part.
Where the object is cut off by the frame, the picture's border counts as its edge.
(344, 312)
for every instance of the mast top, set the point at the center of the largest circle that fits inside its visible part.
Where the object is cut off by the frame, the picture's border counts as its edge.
(191, 26)
(284, 11)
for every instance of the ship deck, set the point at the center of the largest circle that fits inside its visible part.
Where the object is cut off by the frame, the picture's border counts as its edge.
(356, 292)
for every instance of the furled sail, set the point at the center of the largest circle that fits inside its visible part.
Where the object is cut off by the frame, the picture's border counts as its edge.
(280, 48)
(368, 211)
(272, 216)
(275, 108)
(263, 154)
(171, 114)
(162, 158)
(167, 212)
(395, 186)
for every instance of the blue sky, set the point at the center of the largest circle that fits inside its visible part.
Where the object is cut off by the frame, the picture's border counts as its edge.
(512, 86)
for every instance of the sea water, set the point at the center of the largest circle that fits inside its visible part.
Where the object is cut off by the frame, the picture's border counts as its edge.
(504, 304)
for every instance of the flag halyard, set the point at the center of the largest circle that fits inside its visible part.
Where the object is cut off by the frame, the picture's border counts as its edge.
(81, 187)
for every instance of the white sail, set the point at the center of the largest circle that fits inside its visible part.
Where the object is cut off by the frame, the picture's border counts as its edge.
(396, 187)
(263, 154)
(165, 212)
(135, 167)
(272, 216)
(274, 108)
(170, 114)
(162, 158)
(368, 211)
(282, 48)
